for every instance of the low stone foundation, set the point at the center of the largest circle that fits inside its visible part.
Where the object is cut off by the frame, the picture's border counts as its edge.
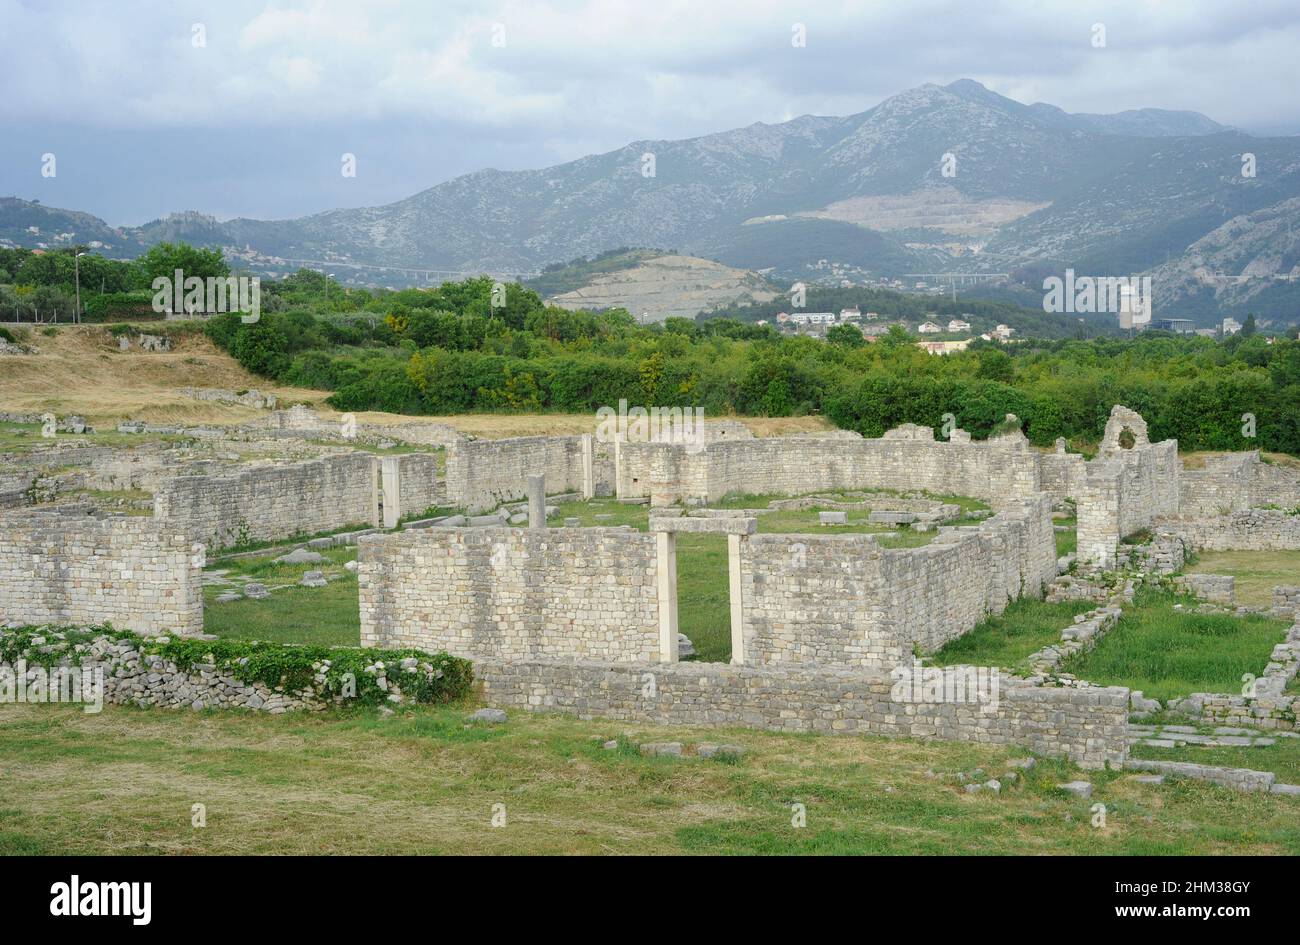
(1286, 601)
(1088, 726)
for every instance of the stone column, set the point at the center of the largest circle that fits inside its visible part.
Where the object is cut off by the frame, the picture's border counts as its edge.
(588, 466)
(737, 608)
(537, 501)
(666, 584)
(618, 466)
(390, 482)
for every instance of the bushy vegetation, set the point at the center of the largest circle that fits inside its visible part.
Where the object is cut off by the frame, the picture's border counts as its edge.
(288, 667)
(479, 346)
(450, 350)
(44, 284)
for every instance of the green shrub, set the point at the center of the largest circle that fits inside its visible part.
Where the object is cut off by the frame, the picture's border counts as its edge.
(281, 666)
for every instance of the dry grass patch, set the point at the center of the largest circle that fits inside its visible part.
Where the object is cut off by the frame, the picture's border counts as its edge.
(1256, 572)
(80, 370)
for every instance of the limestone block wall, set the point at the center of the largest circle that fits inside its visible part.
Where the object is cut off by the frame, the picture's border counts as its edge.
(603, 467)
(1275, 484)
(843, 601)
(1251, 530)
(132, 469)
(419, 433)
(419, 482)
(1061, 475)
(481, 474)
(131, 571)
(13, 489)
(1000, 470)
(818, 600)
(1088, 726)
(565, 593)
(1223, 485)
(1124, 491)
(264, 502)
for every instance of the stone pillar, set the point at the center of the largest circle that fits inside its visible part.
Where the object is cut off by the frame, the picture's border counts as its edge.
(737, 608)
(391, 483)
(618, 466)
(537, 501)
(666, 585)
(588, 466)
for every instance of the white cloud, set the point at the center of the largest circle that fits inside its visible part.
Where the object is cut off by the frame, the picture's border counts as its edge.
(582, 76)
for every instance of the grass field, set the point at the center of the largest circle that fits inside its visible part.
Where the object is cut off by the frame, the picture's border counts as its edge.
(1282, 758)
(1025, 627)
(327, 615)
(1256, 572)
(423, 781)
(1168, 653)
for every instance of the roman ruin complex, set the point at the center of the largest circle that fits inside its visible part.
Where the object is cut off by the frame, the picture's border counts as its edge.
(584, 619)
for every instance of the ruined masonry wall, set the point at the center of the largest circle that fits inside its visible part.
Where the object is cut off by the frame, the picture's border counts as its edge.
(1062, 475)
(1251, 530)
(1000, 470)
(1275, 484)
(843, 601)
(419, 482)
(563, 593)
(1089, 726)
(481, 474)
(265, 502)
(130, 571)
(1123, 492)
(1223, 485)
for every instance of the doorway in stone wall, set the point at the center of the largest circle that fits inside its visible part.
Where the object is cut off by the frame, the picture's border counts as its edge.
(703, 596)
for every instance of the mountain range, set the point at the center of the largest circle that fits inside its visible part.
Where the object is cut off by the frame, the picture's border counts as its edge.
(936, 179)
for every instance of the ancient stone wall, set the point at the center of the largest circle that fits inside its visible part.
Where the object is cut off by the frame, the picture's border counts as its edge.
(1275, 484)
(1125, 491)
(1224, 484)
(843, 601)
(420, 489)
(14, 489)
(266, 502)
(130, 571)
(1251, 530)
(481, 474)
(1061, 475)
(999, 470)
(1089, 726)
(577, 593)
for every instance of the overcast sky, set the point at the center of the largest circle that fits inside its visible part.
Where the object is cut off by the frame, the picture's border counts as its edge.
(145, 119)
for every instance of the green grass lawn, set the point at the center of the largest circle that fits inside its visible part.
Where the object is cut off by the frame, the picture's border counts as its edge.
(423, 781)
(1282, 758)
(703, 597)
(1256, 571)
(327, 615)
(1025, 627)
(1168, 653)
